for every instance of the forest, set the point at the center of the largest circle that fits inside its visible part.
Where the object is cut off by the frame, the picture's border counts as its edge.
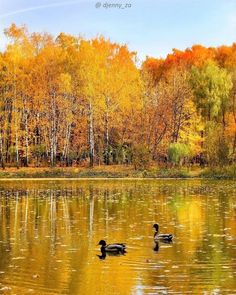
(70, 101)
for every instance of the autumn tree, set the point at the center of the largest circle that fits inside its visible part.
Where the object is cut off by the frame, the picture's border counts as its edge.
(212, 86)
(66, 100)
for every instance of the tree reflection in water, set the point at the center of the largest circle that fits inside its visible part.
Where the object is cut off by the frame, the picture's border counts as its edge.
(49, 231)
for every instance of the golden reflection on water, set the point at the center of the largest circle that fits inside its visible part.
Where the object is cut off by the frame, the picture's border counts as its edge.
(50, 229)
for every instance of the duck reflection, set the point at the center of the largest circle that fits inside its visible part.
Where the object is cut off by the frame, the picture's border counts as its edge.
(157, 244)
(104, 254)
(157, 247)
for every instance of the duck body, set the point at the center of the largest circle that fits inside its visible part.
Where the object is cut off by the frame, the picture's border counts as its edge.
(112, 248)
(161, 237)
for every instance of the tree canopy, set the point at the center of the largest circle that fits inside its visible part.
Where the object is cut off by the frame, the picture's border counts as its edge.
(66, 100)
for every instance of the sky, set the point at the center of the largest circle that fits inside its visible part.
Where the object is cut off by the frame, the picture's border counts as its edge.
(150, 27)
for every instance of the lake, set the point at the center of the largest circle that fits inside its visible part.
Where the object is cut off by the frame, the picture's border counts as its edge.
(49, 231)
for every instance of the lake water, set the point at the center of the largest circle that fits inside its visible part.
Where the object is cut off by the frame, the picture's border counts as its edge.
(49, 231)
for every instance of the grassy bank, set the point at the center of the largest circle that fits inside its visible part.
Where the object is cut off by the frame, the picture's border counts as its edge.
(228, 172)
(119, 172)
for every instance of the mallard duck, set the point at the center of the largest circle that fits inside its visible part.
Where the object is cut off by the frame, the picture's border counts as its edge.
(161, 237)
(114, 248)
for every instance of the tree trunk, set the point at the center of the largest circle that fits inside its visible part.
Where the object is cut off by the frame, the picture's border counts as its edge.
(107, 158)
(26, 138)
(234, 144)
(234, 114)
(16, 127)
(17, 150)
(107, 138)
(1, 151)
(53, 140)
(51, 149)
(91, 136)
(26, 146)
(66, 145)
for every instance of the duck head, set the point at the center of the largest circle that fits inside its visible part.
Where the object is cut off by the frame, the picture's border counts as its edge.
(156, 226)
(102, 243)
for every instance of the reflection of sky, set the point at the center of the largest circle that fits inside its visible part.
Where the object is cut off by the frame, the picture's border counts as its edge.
(151, 27)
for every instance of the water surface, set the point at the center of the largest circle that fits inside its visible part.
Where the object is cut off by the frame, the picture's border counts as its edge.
(49, 232)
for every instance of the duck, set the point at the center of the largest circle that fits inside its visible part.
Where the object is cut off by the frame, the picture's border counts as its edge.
(118, 248)
(161, 237)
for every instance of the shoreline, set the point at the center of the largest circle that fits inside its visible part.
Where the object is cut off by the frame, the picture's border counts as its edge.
(117, 172)
(103, 178)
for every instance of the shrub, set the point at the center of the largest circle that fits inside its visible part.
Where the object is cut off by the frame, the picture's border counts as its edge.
(177, 152)
(141, 157)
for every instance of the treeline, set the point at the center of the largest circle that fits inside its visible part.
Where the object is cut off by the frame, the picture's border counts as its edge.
(71, 101)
